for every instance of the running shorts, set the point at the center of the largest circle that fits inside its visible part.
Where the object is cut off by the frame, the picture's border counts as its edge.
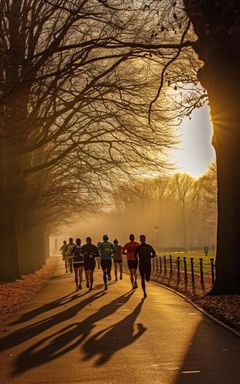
(106, 264)
(89, 265)
(145, 271)
(132, 264)
(77, 264)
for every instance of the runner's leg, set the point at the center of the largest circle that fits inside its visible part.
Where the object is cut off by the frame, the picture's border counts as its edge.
(91, 278)
(109, 267)
(66, 263)
(87, 278)
(115, 270)
(148, 272)
(70, 262)
(142, 274)
(121, 270)
(104, 269)
(76, 277)
(80, 271)
(98, 262)
(132, 276)
(135, 278)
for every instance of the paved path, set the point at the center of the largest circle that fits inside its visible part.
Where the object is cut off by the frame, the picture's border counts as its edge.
(99, 337)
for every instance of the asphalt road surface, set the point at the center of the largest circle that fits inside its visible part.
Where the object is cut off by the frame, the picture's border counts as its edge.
(99, 337)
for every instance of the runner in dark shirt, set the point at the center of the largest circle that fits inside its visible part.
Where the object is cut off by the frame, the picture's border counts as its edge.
(117, 259)
(144, 252)
(90, 252)
(78, 260)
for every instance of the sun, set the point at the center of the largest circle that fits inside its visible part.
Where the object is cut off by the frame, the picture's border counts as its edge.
(195, 152)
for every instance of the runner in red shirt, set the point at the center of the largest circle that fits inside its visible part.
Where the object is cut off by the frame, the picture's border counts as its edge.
(129, 250)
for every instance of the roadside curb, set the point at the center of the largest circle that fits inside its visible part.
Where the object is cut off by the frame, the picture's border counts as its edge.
(236, 333)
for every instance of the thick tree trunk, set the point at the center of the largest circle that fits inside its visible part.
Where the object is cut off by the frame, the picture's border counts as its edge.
(9, 269)
(31, 240)
(216, 24)
(46, 246)
(225, 111)
(9, 194)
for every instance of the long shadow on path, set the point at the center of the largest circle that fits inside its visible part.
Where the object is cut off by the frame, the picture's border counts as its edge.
(23, 334)
(66, 339)
(61, 301)
(118, 336)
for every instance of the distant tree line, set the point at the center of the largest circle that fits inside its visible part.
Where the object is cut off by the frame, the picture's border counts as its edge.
(176, 211)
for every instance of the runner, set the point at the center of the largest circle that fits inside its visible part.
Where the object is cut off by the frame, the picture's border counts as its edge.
(144, 252)
(78, 261)
(70, 246)
(129, 250)
(117, 259)
(98, 258)
(90, 253)
(63, 250)
(106, 251)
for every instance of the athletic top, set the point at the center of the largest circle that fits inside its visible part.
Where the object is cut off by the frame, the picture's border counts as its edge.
(78, 255)
(106, 250)
(129, 250)
(144, 253)
(118, 255)
(63, 249)
(69, 249)
(90, 252)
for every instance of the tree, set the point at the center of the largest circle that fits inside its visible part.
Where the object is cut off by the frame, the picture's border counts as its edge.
(68, 94)
(216, 24)
(181, 188)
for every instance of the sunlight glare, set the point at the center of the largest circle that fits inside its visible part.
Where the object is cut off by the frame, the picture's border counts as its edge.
(195, 151)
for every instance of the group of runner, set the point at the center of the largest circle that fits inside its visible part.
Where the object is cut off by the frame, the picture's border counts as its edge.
(78, 257)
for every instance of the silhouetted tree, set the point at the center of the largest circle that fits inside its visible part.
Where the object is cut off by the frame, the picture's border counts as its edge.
(217, 26)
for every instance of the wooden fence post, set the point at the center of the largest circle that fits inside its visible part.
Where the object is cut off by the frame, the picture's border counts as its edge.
(185, 268)
(170, 264)
(160, 264)
(192, 270)
(165, 264)
(178, 267)
(212, 270)
(201, 271)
